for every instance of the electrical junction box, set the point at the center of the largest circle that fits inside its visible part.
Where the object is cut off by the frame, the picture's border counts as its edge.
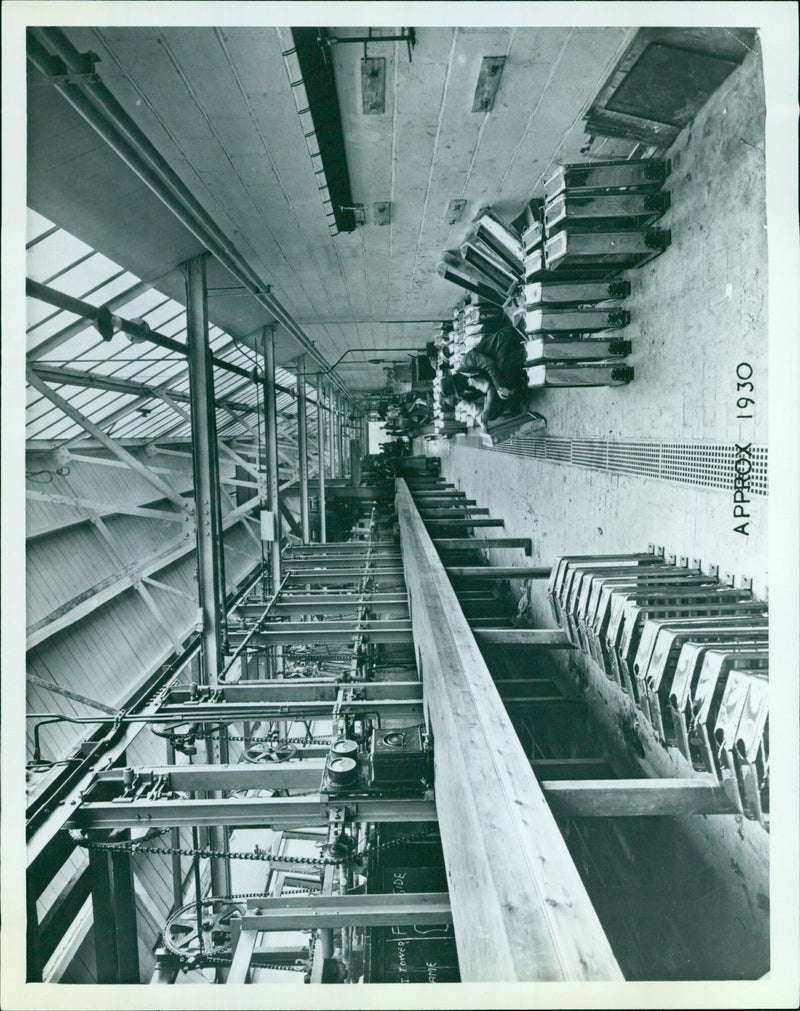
(400, 757)
(267, 525)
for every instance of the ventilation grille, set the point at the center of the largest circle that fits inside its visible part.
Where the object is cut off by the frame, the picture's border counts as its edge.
(707, 465)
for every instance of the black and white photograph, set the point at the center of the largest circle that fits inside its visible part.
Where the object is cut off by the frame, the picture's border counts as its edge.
(400, 503)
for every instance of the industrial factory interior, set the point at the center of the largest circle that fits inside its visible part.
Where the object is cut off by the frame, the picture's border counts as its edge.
(395, 599)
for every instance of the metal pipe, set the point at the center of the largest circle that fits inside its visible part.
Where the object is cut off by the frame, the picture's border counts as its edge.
(323, 533)
(95, 103)
(271, 428)
(302, 447)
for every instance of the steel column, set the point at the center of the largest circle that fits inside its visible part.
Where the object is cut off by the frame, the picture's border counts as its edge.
(208, 523)
(302, 446)
(204, 463)
(114, 917)
(323, 533)
(271, 427)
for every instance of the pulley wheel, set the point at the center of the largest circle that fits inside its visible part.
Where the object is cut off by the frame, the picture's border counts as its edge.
(181, 933)
(269, 751)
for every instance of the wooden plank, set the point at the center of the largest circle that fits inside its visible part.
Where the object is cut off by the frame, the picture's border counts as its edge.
(240, 964)
(552, 637)
(571, 768)
(478, 522)
(499, 571)
(520, 909)
(623, 798)
(490, 543)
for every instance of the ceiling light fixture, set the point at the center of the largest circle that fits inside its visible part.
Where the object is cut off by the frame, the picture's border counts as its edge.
(488, 82)
(313, 85)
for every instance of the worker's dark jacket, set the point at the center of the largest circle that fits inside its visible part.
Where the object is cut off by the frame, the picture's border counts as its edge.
(501, 356)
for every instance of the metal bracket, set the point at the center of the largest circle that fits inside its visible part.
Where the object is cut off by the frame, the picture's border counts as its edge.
(407, 35)
(359, 211)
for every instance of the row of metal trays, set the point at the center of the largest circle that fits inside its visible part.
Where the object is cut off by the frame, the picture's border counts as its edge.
(691, 652)
(597, 219)
(613, 372)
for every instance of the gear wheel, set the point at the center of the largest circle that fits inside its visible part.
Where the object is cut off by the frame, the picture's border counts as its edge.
(181, 934)
(269, 751)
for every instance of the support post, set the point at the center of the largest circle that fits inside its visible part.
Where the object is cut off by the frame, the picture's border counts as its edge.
(332, 431)
(323, 533)
(302, 446)
(114, 915)
(271, 427)
(205, 465)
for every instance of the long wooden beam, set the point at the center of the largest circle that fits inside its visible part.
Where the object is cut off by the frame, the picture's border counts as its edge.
(520, 909)
(553, 637)
(626, 798)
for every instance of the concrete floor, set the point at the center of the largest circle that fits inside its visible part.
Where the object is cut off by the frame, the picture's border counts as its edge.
(698, 310)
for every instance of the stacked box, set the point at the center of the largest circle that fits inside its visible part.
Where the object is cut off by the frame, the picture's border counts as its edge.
(601, 373)
(489, 262)
(599, 218)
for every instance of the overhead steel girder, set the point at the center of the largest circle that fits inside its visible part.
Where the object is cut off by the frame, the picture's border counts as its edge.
(325, 560)
(234, 712)
(330, 604)
(247, 812)
(344, 577)
(302, 912)
(305, 774)
(301, 632)
(300, 690)
(336, 599)
(339, 547)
